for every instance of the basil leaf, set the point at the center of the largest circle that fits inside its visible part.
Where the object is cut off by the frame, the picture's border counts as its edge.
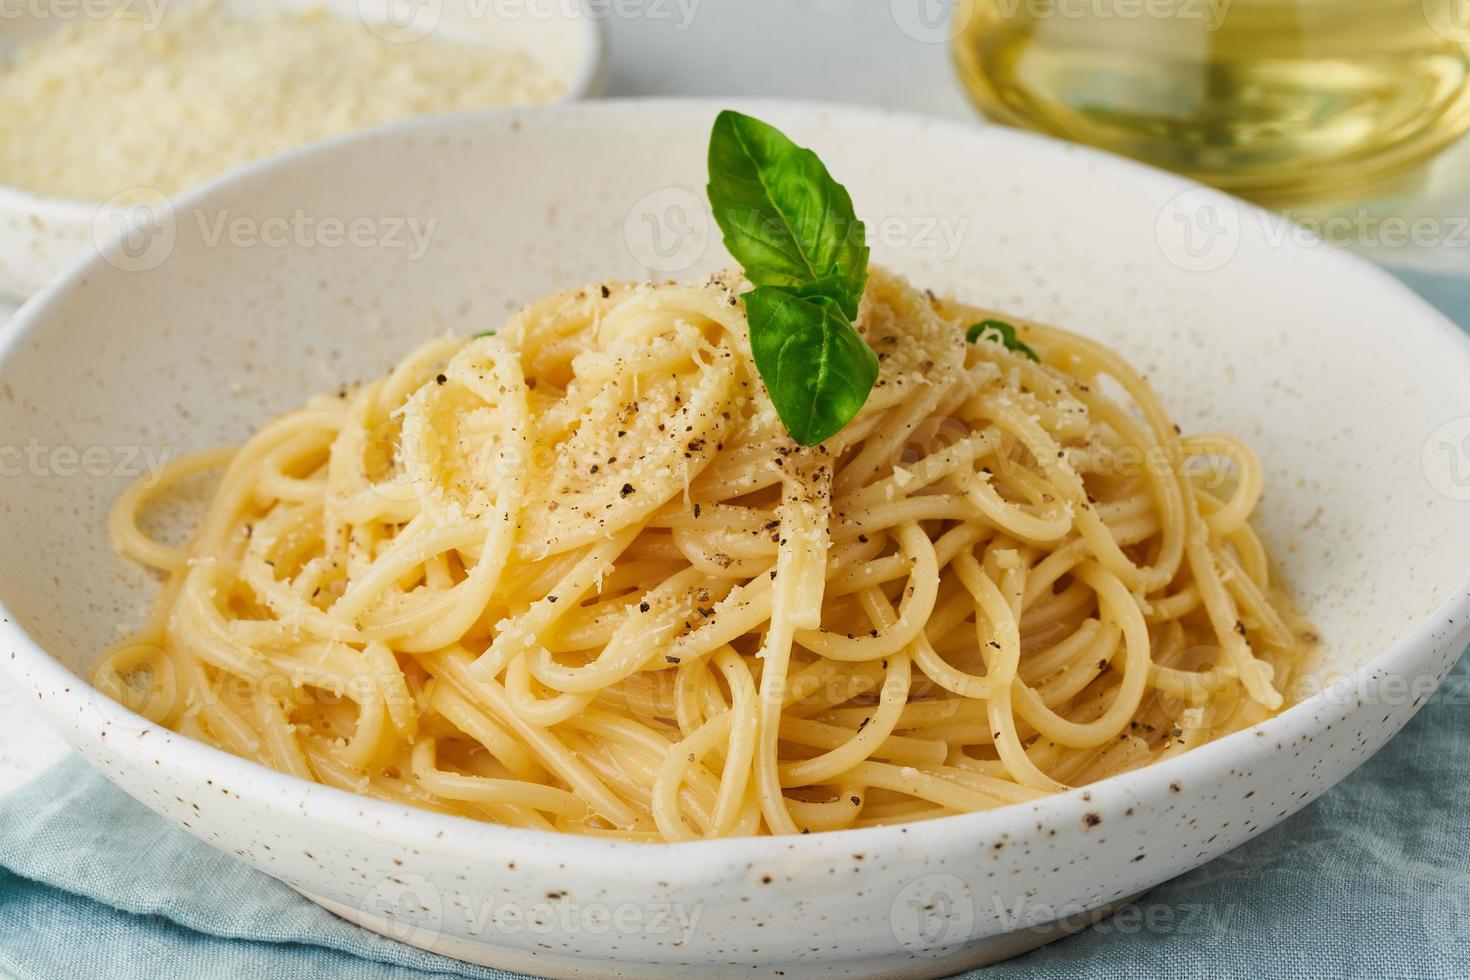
(1000, 332)
(793, 229)
(483, 333)
(784, 218)
(817, 369)
(837, 289)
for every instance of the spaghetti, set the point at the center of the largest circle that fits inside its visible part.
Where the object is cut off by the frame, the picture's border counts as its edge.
(575, 576)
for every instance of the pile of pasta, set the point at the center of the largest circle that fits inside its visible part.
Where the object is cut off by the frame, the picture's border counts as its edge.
(575, 576)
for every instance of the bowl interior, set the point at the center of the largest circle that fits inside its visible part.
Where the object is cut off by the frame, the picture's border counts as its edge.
(288, 278)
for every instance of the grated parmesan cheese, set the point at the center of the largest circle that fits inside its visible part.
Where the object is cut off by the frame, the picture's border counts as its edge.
(102, 106)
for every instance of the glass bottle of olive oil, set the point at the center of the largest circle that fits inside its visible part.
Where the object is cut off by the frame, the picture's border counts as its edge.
(1278, 100)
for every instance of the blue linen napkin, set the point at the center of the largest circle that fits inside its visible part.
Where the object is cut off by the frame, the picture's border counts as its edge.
(1373, 880)
(1450, 293)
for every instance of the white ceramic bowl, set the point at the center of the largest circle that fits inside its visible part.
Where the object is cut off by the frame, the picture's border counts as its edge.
(40, 236)
(1354, 392)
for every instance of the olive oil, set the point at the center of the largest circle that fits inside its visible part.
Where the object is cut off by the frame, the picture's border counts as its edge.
(1278, 100)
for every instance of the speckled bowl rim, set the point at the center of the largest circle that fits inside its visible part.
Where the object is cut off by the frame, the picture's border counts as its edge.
(63, 698)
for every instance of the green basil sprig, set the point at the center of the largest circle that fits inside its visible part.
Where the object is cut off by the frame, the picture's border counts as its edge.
(1000, 332)
(793, 230)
